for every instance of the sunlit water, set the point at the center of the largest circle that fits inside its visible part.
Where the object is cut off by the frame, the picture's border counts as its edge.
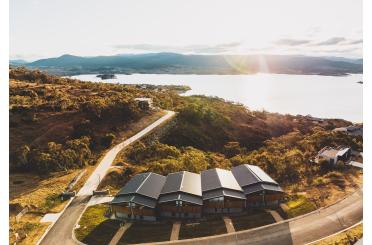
(320, 96)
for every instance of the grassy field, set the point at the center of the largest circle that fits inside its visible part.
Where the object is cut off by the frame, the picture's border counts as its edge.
(209, 227)
(95, 228)
(29, 229)
(141, 233)
(299, 205)
(346, 237)
(40, 195)
(248, 221)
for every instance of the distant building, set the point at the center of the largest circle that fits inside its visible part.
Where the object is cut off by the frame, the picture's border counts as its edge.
(181, 196)
(138, 198)
(259, 188)
(221, 192)
(314, 119)
(356, 130)
(332, 155)
(145, 103)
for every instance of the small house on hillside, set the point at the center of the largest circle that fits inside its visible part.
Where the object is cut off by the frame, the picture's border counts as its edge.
(332, 155)
(181, 196)
(355, 130)
(144, 103)
(138, 198)
(259, 188)
(221, 192)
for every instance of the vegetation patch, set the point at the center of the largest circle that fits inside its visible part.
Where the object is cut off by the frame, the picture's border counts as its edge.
(299, 205)
(248, 221)
(95, 228)
(146, 232)
(28, 230)
(347, 237)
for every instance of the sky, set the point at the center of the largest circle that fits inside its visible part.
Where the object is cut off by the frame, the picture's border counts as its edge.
(50, 28)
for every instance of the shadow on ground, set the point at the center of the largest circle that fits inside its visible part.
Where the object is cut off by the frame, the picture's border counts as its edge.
(103, 233)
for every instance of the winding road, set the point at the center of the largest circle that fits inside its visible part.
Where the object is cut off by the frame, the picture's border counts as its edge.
(60, 233)
(300, 230)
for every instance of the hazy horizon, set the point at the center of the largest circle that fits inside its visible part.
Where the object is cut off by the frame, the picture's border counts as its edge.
(44, 28)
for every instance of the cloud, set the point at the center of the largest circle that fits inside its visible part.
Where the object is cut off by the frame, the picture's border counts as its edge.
(359, 41)
(331, 41)
(291, 42)
(218, 48)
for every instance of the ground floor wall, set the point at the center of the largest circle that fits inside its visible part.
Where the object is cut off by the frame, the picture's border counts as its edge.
(228, 205)
(263, 200)
(185, 211)
(137, 213)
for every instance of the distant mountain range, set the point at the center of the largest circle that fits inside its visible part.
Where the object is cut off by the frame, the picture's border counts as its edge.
(172, 63)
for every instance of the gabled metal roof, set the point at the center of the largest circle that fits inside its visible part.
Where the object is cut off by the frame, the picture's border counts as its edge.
(134, 198)
(249, 174)
(217, 178)
(179, 196)
(184, 181)
(183, 186)
(223, 193)
(145, 184)
(250, 189)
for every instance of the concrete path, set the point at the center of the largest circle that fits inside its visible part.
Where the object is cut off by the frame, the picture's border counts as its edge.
(275, 215)
(99, 173)
(175, 230)
(229, 225)
(120, 233)
(61, 233)
(51, 217)
(99, 200)
(356, 164)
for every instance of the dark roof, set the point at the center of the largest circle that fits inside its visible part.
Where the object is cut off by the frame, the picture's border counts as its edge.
(217, 178)
(184, 181)
(145, 184)
(223, 193)
(184, 186)
(249, 174)
(182, 197)
(250, 189)
(141, 200)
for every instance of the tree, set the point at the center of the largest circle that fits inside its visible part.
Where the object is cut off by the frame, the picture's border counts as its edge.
(106, 141)
(22, 155)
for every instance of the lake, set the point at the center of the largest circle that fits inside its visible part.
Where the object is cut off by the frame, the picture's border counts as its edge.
(319, 96)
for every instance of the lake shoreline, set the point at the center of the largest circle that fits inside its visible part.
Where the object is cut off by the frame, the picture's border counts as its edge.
(319, 96)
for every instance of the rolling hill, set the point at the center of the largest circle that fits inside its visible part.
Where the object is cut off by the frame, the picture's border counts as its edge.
(173, 63)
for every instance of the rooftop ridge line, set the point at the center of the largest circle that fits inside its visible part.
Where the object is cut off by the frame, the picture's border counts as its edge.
(143, 182)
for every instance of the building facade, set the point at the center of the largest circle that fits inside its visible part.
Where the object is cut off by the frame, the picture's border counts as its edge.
(221, 192)
(186, 195)
(259, 188)
(181, 196)
(137, 200)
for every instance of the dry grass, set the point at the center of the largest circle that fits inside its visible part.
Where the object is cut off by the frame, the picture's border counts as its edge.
(41, 196)
(329, 188)
(346, 237)
(37, 193)
(134, 127)
(29, 229)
